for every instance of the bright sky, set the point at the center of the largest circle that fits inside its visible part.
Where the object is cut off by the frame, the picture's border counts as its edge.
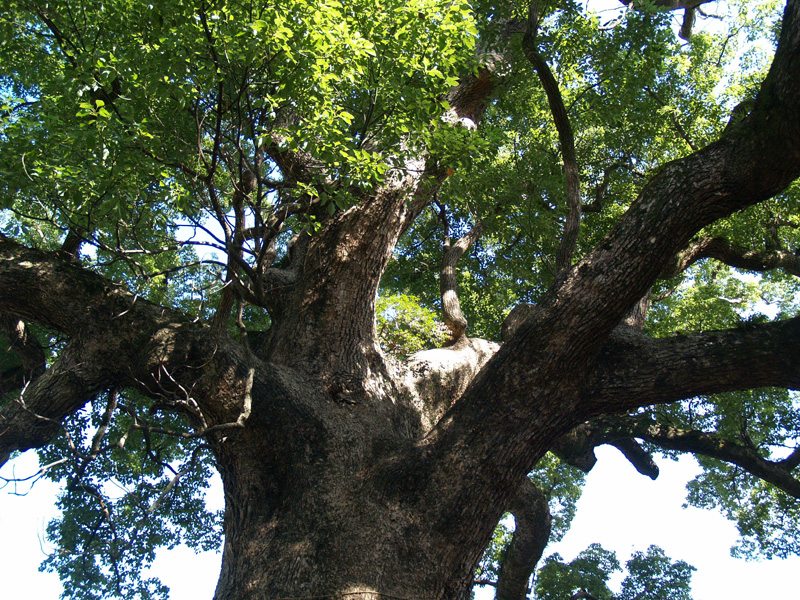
(620, 509)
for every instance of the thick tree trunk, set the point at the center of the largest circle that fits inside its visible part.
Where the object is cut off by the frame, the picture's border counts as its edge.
(349, 477)
(306, 515)
(321, 535)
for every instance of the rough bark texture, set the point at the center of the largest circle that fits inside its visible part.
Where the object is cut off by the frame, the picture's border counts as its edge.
(349, 476)
(531, 532)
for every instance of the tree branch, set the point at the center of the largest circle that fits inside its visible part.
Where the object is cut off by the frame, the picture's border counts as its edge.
(732, 255)
(531, 534)
(34, 418)
(448, 284)
(474, 91)
(600, 191)
(635, 370)
(637, 456)
(708, 444)
(121, 340)
(569, 239)
(674, 4)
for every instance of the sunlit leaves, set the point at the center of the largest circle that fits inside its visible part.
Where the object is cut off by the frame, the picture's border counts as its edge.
(147, 95)
(405, 326)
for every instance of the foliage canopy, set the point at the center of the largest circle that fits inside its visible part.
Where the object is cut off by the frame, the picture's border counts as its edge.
(188, 151)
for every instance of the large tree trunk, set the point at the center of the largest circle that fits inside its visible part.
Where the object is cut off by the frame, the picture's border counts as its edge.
(308, 516)
(346, 475)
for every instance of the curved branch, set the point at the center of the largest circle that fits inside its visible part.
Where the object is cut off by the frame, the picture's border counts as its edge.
(746, 456)
(637, 456)
(569, 239)
(531, 534)
(733, 255)
(448, 285)
(576, 448)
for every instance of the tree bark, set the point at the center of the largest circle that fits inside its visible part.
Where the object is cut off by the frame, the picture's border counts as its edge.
(532, 522)
(347, 476)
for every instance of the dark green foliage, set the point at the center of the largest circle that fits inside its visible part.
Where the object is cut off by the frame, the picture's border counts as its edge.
(589, 571)
(126, 494)
(651, 575)
(654, 576)
(99, 135)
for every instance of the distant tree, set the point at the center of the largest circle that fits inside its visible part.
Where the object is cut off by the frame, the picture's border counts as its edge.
(653, 576)
(207, 207)
(585, 577)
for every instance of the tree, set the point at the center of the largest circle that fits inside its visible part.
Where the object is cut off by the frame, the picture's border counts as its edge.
(651, 576)
(609, 179)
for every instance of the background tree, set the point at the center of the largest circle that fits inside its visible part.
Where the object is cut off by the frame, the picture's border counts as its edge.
(607, 181)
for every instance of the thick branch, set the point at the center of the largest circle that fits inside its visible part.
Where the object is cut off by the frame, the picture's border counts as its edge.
(475, 90)
(123, 340)
(712, 445)
(534, 373)
(635, 370)
(34, 418)
(352, 249)
(531, 534)
(733, 255)
(50, 290)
